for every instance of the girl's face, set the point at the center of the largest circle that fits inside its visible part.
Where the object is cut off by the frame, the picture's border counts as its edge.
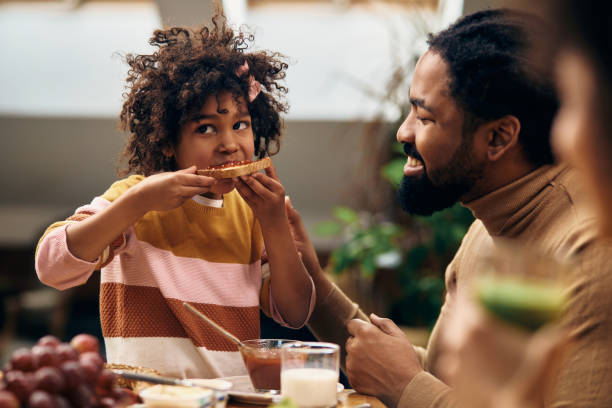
(578, 136)
(219, 134)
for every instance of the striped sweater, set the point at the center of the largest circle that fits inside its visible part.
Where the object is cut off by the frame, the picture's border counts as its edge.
(210, 257)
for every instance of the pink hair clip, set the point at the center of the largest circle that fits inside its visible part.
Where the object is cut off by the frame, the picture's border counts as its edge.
(254, 86)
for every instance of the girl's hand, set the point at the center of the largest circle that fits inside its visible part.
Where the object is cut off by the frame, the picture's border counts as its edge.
(167, 191)
(264, 194)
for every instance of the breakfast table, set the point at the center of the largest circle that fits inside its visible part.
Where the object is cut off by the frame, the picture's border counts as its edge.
(352, 400)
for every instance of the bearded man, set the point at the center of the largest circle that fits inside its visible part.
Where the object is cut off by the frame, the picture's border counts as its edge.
(478, 133)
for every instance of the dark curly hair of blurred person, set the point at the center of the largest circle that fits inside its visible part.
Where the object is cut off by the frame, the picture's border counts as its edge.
(168, 87)
(488, 55)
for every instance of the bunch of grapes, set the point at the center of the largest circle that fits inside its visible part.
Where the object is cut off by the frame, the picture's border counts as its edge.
(53, 374)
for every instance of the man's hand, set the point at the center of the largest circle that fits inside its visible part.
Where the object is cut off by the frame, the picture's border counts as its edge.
(301, 239)
(380, 359)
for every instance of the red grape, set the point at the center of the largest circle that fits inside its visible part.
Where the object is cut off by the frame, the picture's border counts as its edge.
(82, 396)
(85, 342)
(44, 356)
(50, 379)
(8, 400)
(22, 360)
(61, 402)
(92, 357)
(65, 352)
(53, 374)
(48, 340)
(20, 384)
(73, 373)
(106, 380)
(92, 364)
(90, 370)
(40, 399)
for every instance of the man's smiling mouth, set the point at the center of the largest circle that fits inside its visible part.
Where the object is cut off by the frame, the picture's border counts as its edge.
(413, 162)
(413, 167)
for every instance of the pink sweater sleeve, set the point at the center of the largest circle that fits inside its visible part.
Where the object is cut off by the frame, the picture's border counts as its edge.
(56, 266)
(277, 316)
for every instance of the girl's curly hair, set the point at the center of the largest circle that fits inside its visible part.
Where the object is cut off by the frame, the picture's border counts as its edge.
(168, 87)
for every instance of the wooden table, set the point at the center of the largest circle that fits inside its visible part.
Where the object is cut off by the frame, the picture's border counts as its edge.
(353, 399)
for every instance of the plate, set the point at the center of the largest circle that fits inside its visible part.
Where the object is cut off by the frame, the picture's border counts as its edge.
(243, 391)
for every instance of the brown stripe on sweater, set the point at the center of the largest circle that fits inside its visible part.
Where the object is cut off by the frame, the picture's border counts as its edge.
(242, 322)
(142, 311)
(136, 311)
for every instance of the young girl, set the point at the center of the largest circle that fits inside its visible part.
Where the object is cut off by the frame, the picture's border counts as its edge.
(167, 235)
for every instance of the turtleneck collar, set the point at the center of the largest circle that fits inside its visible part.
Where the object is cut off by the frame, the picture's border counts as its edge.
(500, 209)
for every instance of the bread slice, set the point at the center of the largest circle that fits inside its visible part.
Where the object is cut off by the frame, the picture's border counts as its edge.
(231, 170)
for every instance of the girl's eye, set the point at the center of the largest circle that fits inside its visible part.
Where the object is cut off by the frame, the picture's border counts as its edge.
(424, 120)
(205, 129)
(241, 125)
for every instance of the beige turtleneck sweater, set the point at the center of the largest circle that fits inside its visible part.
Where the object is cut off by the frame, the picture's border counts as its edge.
(541, 210)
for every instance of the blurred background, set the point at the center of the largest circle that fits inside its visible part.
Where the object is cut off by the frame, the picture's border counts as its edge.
(61, 83)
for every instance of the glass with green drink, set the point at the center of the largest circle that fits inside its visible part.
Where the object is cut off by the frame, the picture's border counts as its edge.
(522, 286)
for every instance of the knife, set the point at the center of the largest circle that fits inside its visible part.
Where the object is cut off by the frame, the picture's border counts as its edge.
(161, 380)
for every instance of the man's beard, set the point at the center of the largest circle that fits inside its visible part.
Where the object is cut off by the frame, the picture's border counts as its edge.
(423, 195)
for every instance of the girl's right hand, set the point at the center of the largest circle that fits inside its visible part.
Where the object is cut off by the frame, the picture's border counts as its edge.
(169, 190)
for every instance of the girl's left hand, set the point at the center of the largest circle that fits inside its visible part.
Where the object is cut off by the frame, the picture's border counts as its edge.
(264, 193)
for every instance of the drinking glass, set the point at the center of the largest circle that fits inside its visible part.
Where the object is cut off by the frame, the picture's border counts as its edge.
(309, 373)
(521, 285)
(262, 358)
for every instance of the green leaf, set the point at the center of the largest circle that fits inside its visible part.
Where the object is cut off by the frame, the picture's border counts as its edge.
(394, 171)
(416, 256)
(367, 241)
(340, 262)
(390, 230)
(368, 266)
(328, 228)
(430, 284)
(354, 249)
(346, 215)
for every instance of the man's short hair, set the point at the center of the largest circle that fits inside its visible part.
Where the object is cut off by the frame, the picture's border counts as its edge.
(492, 75)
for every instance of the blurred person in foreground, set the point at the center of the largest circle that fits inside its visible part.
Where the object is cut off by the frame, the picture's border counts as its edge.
(478, 133)
(580, 52)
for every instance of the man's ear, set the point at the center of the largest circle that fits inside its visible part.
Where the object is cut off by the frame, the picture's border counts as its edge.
(502, 135)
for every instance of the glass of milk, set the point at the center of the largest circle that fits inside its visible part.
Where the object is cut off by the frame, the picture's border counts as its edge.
(309, 373)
